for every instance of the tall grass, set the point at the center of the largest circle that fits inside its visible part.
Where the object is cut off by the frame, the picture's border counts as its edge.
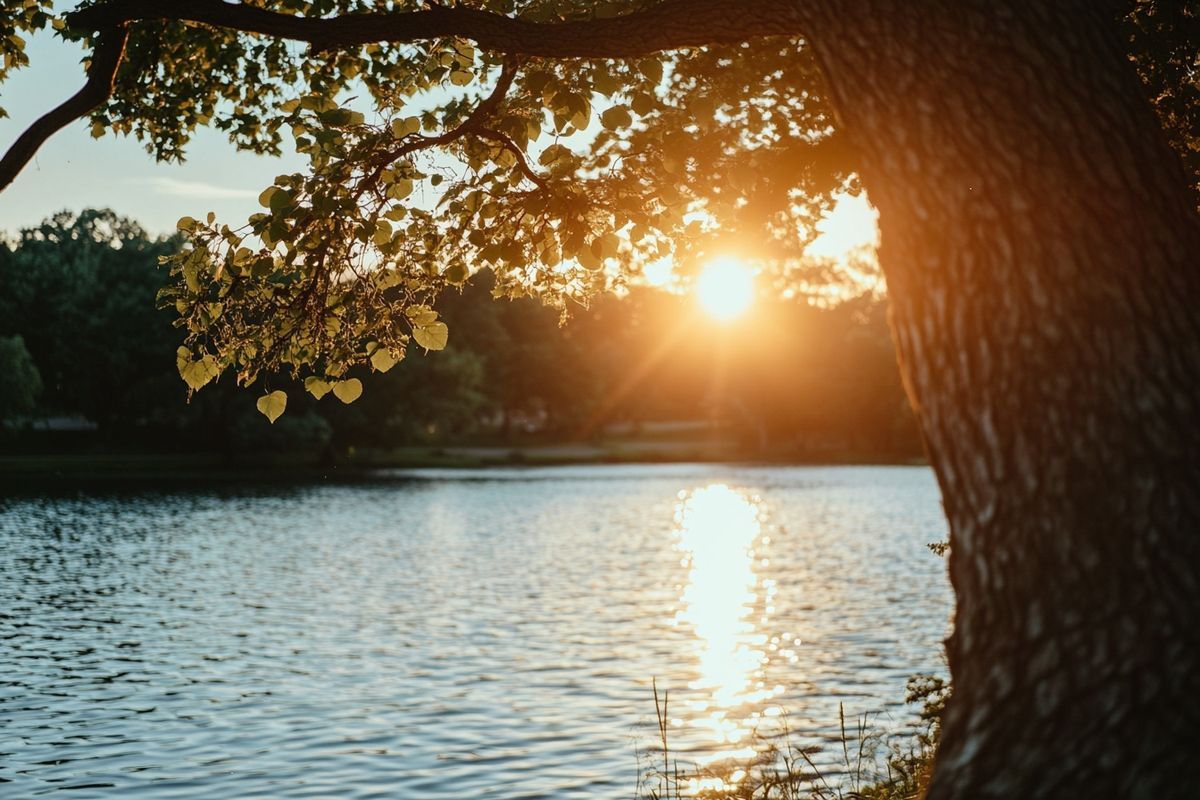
(873, 765)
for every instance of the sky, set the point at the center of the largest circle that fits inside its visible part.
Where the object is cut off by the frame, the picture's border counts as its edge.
(74, 171)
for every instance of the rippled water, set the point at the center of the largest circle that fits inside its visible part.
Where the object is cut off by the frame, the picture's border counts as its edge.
(453, 634)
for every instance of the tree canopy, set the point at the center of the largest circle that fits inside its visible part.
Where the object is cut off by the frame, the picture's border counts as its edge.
(80, 290)
(432, 157)
(562, 145)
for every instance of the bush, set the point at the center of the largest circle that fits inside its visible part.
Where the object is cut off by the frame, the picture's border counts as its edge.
(22, 383)
(307, 433)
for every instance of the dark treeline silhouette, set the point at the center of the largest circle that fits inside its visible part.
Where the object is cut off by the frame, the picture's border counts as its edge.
(80, 324)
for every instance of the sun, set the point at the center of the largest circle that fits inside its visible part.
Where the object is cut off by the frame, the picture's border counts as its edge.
(725, 289)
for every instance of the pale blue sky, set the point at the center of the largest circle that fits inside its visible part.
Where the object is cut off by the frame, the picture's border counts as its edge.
(74, 171)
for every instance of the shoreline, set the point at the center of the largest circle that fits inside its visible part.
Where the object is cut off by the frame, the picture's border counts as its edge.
(72, 469)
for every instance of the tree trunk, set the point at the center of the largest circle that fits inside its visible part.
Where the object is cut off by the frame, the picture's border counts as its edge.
(1040, 245)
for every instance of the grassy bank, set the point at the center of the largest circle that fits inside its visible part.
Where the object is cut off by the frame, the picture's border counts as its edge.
(871, 763)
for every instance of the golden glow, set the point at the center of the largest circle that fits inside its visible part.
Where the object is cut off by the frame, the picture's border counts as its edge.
(719, 530)
(852, 224)
(725, 288)
(660, 273)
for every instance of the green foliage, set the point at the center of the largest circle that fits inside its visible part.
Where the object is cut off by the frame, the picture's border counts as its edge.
(20, 382)
(18, 17)
(426, 399)
(195, 372)
(295, 434)
(80, 289)
(431, 161)
(560, 177)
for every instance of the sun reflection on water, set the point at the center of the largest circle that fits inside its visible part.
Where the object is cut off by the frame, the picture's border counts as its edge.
(720, 533)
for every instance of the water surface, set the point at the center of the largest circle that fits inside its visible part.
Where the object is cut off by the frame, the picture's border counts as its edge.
(489, 633)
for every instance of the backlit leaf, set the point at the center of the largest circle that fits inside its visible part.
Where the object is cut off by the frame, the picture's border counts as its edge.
(432, 336)
(195, 373)
(348, 390)
(317, 387)
(616, 117)
(271, 405)
(381, 360)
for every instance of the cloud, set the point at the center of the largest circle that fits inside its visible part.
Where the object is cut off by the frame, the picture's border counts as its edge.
(195, 189)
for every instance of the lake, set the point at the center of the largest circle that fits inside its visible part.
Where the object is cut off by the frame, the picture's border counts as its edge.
(455, 634)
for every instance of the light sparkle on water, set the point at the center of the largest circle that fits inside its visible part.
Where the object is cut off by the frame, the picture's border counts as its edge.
(719, 531)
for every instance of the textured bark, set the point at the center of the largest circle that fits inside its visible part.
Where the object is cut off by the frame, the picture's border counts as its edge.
(658, 26)
(1040, 248)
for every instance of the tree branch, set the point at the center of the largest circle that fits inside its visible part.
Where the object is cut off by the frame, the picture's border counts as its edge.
(511, 146)
(508, 72)
(110, 49)
(663, 26)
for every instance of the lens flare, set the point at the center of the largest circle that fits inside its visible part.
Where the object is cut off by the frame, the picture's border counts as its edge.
(725, 289)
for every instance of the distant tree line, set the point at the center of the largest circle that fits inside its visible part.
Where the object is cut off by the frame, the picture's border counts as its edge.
(81, 335)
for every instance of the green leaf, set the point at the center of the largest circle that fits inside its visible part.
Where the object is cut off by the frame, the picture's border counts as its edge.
(607, 246)
(317, 387)
(381, 359)
(383, 233)
(616, 117)
(339, 117)
(279, 200)
(432, 336)
(405, 126)
(652, 68)
(272, 405)
(604, 81)
(553, 153)
(644, 103)
(348, 390)
(195, 373)
(421, 314)
(589, 260)
(400, 189)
